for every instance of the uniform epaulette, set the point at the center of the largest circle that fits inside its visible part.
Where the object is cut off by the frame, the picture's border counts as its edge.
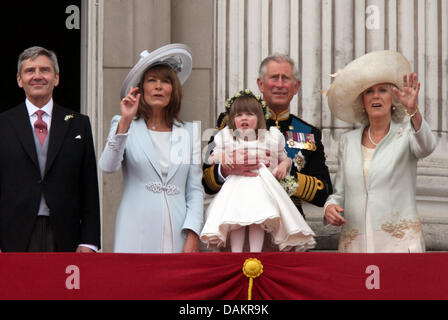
(222, 120)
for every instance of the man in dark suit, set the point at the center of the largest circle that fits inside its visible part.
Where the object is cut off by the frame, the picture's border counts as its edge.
(48, 178)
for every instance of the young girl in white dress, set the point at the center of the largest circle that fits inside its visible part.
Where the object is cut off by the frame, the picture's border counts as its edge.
(259, 202)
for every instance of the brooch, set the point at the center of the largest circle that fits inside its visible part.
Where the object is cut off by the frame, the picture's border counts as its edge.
(299, 161)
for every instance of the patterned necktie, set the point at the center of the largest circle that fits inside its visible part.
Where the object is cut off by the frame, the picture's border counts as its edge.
(40, 127)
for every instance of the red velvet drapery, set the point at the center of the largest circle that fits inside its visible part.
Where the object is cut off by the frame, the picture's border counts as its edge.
(216, 276)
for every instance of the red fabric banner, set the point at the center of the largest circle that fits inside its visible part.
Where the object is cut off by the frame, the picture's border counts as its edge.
(216, 276)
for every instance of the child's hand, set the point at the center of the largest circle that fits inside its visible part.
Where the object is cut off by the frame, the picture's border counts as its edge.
(226, 161)
(282, 169)
(279, 173)
(237, 163)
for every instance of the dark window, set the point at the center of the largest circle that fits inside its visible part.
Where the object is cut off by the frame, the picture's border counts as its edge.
(41, 23)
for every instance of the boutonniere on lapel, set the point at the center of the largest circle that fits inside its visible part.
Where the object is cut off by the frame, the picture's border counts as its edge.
(68, 117)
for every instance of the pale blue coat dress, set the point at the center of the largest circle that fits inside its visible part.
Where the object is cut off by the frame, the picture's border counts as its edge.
(150, 193)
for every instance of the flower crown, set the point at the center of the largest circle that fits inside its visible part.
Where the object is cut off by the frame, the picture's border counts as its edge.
(247, 93)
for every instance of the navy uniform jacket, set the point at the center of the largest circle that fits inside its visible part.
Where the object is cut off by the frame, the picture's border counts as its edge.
(313, 178)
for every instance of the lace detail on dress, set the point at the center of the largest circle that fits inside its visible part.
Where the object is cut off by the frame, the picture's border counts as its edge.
(348, 236)
(399, 230)
(157, 187)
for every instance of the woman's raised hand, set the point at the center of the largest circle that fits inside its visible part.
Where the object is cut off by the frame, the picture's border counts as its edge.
(128, 107)
(129, 104)
(409, 95)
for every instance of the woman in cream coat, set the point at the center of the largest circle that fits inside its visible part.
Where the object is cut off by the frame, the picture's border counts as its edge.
(162, 204)
(375, 185)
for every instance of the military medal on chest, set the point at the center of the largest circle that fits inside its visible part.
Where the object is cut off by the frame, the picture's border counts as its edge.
(300, 140)
(311, 142)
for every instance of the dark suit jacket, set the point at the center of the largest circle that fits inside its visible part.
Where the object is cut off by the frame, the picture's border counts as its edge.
(70, 183)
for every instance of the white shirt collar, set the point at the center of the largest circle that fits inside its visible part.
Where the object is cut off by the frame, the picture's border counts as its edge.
(48, 108)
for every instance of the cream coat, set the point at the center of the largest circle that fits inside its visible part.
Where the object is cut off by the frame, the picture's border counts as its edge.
(391, 190)
(139, 221)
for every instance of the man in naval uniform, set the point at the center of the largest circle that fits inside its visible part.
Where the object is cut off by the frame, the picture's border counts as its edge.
(278, 81)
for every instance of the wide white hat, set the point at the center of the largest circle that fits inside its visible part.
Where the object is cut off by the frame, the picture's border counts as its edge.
(344, 94)
(177, 56)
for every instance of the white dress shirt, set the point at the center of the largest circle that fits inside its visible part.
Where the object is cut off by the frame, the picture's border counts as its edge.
(46, 117)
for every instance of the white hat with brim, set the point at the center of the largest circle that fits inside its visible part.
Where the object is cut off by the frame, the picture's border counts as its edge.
(344, 94)
(177, 56)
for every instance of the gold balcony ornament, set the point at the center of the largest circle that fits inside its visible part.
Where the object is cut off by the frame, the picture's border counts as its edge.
(252, 268)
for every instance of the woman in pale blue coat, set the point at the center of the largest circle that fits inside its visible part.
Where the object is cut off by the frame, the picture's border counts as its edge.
(161, 210)
(375, 185)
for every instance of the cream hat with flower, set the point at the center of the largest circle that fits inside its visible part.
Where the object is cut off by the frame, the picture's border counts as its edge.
(344, 94)
(176, 55)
